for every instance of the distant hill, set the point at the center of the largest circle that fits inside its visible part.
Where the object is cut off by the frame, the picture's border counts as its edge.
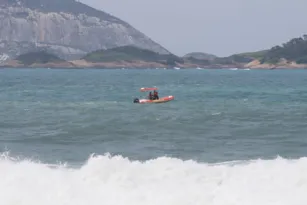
(294, 50)
(131, 53)
(292, 54)
(209, 59)
(200, 56)
(233, 59)
(68, 28)
(254, 55)
(38, 57)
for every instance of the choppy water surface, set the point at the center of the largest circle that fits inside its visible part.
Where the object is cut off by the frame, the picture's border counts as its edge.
(235, 117)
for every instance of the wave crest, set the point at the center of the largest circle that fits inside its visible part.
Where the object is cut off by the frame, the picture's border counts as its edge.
(106, 179)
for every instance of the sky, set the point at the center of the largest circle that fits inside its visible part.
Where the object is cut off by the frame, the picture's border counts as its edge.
(219, 27)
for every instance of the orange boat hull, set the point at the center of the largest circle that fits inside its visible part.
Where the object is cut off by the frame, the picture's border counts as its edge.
(160, 100)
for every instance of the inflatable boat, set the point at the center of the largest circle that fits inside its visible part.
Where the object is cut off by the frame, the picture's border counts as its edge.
(160, 100)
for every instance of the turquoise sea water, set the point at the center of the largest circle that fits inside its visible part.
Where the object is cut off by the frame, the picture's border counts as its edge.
(217, 115)
(230, 137)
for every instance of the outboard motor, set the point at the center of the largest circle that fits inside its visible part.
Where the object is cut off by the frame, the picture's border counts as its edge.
(136, 100)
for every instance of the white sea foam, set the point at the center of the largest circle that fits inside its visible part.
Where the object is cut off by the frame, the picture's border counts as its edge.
(164, 181)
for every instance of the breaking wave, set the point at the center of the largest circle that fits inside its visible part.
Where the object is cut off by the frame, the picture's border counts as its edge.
(115, 180)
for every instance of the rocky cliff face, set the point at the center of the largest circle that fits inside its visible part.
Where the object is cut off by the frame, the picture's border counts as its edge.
(67, 28)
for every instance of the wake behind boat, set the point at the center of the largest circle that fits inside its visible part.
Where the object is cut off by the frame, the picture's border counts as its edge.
(153, 98)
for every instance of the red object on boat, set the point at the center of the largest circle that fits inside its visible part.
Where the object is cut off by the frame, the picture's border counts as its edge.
(147, 89)
(160, 100)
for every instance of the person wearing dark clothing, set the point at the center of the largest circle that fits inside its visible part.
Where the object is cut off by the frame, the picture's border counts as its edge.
(155, 95)
(150, 96)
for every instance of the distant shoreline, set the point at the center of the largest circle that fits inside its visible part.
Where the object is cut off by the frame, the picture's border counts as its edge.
(129, 57)
(149, 68)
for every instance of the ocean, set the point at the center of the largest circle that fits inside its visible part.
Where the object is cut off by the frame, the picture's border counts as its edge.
(230, 137)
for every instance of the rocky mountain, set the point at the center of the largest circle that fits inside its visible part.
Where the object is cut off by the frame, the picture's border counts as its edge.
(66, 28)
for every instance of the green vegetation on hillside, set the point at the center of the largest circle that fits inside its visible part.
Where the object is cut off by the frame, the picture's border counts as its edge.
(39, 57)
(233, 59)
(293, 50)
(209, 59)
(200, 56)
(255, 55)
(129, 54)
(203, 62)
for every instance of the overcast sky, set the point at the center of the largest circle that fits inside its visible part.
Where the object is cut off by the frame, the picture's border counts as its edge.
(220, 27)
